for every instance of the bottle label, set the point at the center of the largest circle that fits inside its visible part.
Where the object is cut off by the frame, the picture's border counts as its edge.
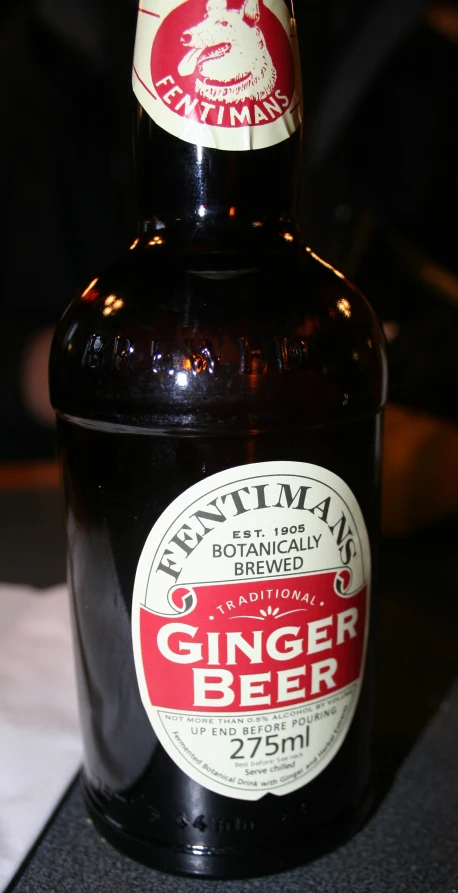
(219, 73)
(250, 620)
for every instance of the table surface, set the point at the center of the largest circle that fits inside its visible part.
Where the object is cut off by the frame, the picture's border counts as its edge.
(411, 841)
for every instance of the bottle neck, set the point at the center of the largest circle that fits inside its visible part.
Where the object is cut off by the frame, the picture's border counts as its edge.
(218, 133)
(195, 190)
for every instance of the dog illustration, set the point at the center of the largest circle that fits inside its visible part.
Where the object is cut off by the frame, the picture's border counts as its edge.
(228, 50)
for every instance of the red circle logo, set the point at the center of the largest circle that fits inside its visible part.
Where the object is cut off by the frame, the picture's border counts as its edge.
(224, 63)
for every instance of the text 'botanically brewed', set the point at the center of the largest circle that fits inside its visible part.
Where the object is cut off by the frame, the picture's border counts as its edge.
(219, 73)
(250, 621)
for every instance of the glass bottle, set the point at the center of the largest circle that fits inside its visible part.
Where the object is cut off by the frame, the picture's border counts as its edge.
(219, 395)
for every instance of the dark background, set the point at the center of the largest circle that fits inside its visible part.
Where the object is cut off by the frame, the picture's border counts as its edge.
(380, 202)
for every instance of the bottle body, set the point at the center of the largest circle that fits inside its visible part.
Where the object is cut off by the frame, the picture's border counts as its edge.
(173, 368)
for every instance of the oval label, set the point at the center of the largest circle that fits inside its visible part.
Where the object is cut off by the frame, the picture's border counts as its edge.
(250, 622)
(219, 73)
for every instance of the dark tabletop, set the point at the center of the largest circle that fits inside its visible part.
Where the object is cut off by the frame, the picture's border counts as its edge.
(410, 843)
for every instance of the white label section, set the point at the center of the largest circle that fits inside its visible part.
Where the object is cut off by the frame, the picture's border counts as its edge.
(219, 74)
(250, 622)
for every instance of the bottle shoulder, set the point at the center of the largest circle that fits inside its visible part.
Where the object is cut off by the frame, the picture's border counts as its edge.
(198, 338)
(222, 284)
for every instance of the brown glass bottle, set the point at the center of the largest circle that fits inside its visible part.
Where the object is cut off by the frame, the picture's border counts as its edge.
(218, 341)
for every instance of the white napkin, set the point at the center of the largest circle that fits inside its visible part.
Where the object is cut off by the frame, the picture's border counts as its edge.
(40, 744)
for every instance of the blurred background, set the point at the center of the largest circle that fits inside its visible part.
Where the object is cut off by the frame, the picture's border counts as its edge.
(380, 203)
(381, 85)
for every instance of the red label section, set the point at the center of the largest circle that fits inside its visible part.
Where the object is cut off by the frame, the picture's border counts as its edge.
(248, 646)
(226, 64)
